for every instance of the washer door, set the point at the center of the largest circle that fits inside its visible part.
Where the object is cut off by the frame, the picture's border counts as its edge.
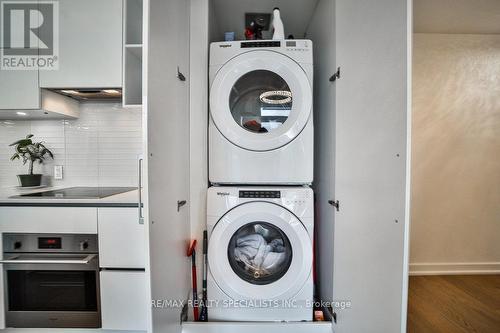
(260, 100)
(260, 251)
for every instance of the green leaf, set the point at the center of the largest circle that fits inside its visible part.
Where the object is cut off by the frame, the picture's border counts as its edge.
(22, 142)
(30, 151)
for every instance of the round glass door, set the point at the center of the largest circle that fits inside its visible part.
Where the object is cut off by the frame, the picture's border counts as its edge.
(259, 253)
(260, 101)
(259, 250)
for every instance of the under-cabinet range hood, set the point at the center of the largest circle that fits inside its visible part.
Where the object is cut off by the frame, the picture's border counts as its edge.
(92, 94)
(52, 106)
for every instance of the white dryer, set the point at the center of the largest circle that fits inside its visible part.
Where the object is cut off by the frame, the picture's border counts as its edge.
(261, 127)
(260, 253)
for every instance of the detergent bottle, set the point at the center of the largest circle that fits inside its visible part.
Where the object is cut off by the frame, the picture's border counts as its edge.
(278, 29)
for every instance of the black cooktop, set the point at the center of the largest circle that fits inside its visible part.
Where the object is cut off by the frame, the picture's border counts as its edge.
(78, 193)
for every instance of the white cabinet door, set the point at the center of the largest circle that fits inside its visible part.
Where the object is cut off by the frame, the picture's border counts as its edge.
(123, 300)
(369, 263)
(168, 157)
(121, 238)
(90, 45)
(64, 220)
(320, 31)
(19, 90)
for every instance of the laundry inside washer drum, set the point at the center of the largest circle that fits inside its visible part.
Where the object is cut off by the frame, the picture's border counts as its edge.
(259, 253)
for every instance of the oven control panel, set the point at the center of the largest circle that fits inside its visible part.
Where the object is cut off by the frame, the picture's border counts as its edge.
(63, 243)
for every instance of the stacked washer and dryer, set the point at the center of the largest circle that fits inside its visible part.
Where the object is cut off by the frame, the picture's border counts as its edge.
(260, 211)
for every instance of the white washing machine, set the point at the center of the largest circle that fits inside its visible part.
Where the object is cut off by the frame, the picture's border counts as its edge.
(261, 126)
(260, 253)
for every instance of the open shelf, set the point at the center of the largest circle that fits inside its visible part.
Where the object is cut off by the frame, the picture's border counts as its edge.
(132, 53)
(133, 19)
(132, 83)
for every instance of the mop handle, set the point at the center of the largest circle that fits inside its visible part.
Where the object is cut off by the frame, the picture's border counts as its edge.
(195, 287)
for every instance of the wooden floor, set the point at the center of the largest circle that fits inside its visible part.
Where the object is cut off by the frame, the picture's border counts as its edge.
(454, 303)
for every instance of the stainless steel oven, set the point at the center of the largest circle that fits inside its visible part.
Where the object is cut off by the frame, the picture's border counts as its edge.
(51, 280)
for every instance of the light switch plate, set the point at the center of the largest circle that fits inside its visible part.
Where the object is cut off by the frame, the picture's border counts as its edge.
(58, 172)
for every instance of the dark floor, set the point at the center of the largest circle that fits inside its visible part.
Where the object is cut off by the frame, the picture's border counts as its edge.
(454, 303)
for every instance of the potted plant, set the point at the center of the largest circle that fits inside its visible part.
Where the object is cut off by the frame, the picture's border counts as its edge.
(30, 152)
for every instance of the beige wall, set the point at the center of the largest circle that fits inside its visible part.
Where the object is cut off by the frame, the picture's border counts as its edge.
(455, 222)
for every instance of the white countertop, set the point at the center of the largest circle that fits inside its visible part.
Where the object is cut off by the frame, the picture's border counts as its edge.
(126, 199)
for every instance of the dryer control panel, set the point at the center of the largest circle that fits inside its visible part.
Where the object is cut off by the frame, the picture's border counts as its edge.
(299, 50)
(260, 194)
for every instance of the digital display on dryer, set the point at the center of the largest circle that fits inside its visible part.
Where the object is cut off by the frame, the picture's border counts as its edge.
(260, 194)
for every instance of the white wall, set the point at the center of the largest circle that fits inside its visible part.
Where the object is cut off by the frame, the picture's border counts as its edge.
(456, 154)
(99, 148)
(296, 15)
(457, 16)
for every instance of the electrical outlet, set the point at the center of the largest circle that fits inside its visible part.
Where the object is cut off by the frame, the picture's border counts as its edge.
(58, 172)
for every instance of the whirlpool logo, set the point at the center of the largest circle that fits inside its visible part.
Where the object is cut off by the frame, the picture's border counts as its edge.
(29, 35)
(223, 193)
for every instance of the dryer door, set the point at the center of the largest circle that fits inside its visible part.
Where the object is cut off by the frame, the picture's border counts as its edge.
(260, 251)
(260, 100)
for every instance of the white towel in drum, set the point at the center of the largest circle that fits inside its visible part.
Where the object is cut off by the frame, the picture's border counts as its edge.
(258, 255)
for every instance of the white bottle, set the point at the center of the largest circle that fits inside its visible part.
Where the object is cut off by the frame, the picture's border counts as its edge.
(278, 29)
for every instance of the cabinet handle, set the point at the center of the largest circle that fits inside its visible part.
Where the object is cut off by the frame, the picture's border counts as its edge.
(335, 204)
(180, 203)
(139, 189)
(17, 261)
(180, 76)
(335, 76)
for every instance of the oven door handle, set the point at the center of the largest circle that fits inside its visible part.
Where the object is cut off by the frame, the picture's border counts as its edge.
(13, 260)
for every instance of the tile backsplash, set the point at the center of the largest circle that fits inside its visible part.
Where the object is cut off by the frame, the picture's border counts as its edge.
(100, 148)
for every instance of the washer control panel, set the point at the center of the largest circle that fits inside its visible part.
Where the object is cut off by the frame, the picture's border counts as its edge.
(267, 43)
(260, 194)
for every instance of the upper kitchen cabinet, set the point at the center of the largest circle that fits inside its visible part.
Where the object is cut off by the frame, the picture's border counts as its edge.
(19, 89)
(18, 84)
(90, 45)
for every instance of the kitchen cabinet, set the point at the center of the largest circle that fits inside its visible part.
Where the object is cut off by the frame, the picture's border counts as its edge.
(361, 155)
(122, 257)
(74, 220)
(168, 156)
(90, 45)
(121, 238)
(90, 56)
(123, 300)
(19, 90)
(371, 180)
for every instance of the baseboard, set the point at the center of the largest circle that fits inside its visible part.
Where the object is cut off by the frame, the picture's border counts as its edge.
(456, 268)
